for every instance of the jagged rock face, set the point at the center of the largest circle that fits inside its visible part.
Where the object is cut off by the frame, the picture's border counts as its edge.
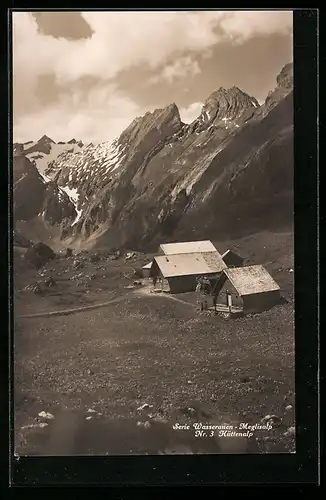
(44, 151)
(285, 78)
(231, 168)
(28, 189)
(249, 184)
(231, 105)
(74, 141)
(102, 175)
(57, 206)
(43, 145)
(33, 197)
(284, 86)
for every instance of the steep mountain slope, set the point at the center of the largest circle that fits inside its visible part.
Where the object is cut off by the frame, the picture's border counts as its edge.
(45, 150)
(229, 171)
(34, 197)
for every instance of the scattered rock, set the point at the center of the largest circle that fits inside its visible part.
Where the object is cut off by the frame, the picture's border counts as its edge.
(69, 252)
(160, 420)
(137, 283)
(245, 379)
(144, 406)
(49, 282)
(76, 276)
(146, 424)
(116, 255)
(272, 420)
(44, 414)
(34, 287)
(32, 426)
(90, 372)
(77, 264)
(290, 432)
(88, 418)
(291, 270)
(288, 407)
(90, 410)
(189, 412)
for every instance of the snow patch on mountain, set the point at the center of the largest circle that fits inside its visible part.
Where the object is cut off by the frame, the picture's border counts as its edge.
(72, 193)
(42, 160)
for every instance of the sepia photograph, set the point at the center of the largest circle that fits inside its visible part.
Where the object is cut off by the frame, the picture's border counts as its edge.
(153, 232)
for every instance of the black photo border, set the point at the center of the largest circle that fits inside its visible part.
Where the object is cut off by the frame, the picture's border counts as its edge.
(301, 468)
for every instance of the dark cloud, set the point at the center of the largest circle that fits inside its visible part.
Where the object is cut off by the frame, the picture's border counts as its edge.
(70, 25)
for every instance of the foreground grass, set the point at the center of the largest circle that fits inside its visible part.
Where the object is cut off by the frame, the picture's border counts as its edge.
(161, 352)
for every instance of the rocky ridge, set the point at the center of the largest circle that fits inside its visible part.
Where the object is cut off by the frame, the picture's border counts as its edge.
(229, 169)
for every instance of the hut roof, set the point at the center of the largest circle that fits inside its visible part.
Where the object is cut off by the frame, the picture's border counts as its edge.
(186, 247)
(187, 264)
(249, 280)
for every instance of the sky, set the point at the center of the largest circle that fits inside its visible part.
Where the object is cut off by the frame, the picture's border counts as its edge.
(87, 75)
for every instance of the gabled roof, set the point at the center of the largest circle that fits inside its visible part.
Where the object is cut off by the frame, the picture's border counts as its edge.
(148, 266)
(187, 247)
(248, 280)
(187, 264)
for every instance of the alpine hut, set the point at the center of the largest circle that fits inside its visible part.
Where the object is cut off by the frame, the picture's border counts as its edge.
(181, 271)
(250, 287)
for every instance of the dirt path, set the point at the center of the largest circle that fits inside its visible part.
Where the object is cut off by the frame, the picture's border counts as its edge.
(131, 295)
(64, 312)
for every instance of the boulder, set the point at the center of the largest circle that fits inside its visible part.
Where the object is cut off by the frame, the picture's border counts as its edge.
(39, 254)
(95, 257)
(49, 282)
(78, 264)
(34, 287)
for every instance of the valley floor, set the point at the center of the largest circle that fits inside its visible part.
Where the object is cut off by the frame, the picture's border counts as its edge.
(116, 379)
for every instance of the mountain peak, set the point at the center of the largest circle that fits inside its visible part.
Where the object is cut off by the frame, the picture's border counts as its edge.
(227, 105)
(45, 139)
(285, 77)
(165, 120)
(284, 86)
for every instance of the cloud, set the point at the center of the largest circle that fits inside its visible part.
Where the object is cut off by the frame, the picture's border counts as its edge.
(100, 117)
(161, 41)
(241, 25)
(190, 113)
(185, 67)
